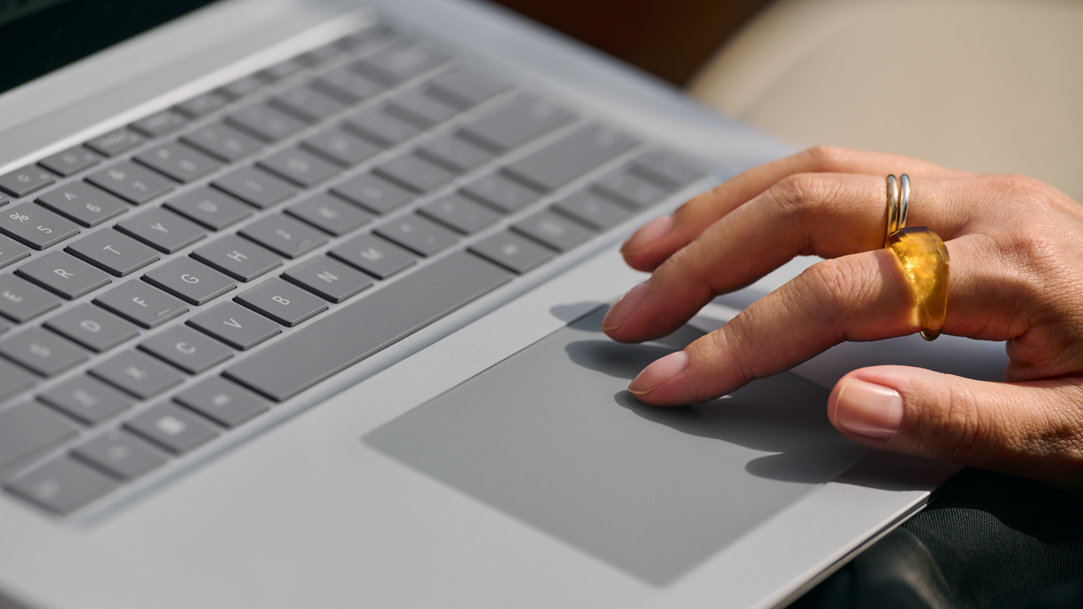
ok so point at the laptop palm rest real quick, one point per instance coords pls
(551, 437)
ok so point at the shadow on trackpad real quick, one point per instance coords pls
(551, 437)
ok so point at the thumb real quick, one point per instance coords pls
(1032, 429)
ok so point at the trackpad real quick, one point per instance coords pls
(551, 437)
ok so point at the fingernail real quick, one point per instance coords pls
(658, 373)
(624, 307)
(867, 409)
(646, 236)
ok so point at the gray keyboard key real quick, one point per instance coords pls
(237, 257)
(61, 486)
(454, 153)
(501, 193)
(211, 208)
(22, 301)
(162, 229)
(398, 61)
(571, 156)
(36, 226)
(254, 187)
(328, 278)
(374, 194)
(43, 352)
(178, 161)
(516, 122)
(329, 214)
(113, 252)
(141, 303)
(222, 401)
(92, 327)
(242, 87)
(71, 161)
(120, 454)
(86, 399)
(83, 203)
(173, 428)
(189, 280)
(380, 127)
(281, 70)
(264, 122)
(629, 189)
(186, 349)
(115, 142)
(347, 85)
(284, 235)
(287, 304)
(64, 274)
(11, 251)
(459, 213)
(418, 234)
(297, 166)
(552, 230)
(202, 105)
(26, 180)
(131, 182)
(13, 381)
(592, 210)
(306, 103)
(375, 256)
(465, 87)
(222, 141)
(413, 173)
(366, 326)
(28, 429)
(420, 109)
(137, 374)
(159, 123)
(513, 252)
(340, 147)
(667, 170)
(235, 325)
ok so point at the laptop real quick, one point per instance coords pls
(300, 308)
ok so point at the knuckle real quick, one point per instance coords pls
(825, 158)
(829, 287)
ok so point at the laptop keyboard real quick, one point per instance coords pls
(167, 282)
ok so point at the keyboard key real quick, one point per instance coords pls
(347, 85)
(592, 210)
(159, 123)
(398, 61)
(285, 303)
(83, 203)
(373, 255)
(372, 193)
(26, 180)
(189, 280)
(513, 252)
(418, 234)
(120, 454)
(137, 374)
(187, 349)
(13, 381)
(162, 229)
(570, 156)
(281, 70)
(667, 170)
(516, 122)
(222, 141)
(629, 189)
(113, 252)
(465, 87)
(92, 327)
(365, 326)
(242, 87)
(36, 226)
(340, 147)
(28, 429)
(202, 105)
(173, 428)
(211, 208)
(459, 213)
(63, 274)
(328, 278)
(71, 161)
(235, 325)
(264, 122)
(380, 128)
(549, 229)
(21, 301)
(501, 193)
(115, 142)
(420, 109)
(178, 161)
(11, 251)
(329, 214)
(61, 486)
(454, 153)
(413, 173)
(222, 401)
(86, 399)
(299, 167)
(254, 187)
(42, 352)
(131, 182)
(141, 303)
(284, 235)
(237, 257)
(306, 103)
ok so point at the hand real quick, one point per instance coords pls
(1016, 248)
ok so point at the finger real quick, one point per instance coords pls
(656, 241)
(1033, 429)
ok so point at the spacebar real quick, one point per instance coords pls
(360, 329)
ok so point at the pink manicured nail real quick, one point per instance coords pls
(647, 235)
(624, 307)
(658, 373)
(867, 409)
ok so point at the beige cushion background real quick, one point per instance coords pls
(986, 85)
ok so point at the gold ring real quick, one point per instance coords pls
(923, 258)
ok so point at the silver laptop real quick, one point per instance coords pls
(299, 307)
